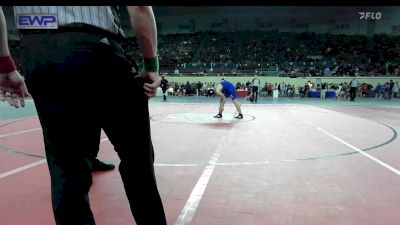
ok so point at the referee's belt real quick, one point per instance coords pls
(75, 27)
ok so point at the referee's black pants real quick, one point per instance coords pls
(353, 91)
(254, 90)
(80, 85)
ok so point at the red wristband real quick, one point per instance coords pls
(7, 64)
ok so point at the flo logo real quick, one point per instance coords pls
(370, 15)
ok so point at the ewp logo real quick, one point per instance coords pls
(37, 21)
(371, 15)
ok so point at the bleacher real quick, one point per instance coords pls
(272, 53)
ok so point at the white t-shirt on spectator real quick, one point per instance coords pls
(354, 83)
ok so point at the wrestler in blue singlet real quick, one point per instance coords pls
(228, 89)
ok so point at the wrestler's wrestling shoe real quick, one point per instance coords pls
(240, 116)
(219, 115)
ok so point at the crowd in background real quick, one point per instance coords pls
(386, 90)
(290, 54)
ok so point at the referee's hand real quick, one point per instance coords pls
(13, 89)
(152, 81)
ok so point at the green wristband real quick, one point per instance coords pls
(151, 64)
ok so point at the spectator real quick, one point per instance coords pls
(396, 90)
(378, 91)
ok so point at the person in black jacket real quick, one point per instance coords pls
(164, 87)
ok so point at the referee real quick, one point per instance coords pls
(81, 81)
(353, 89)
(254, 88)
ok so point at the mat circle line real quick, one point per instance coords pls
(217, 121)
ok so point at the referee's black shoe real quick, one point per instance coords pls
(98, 165)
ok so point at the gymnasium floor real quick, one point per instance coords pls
(288, 162)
